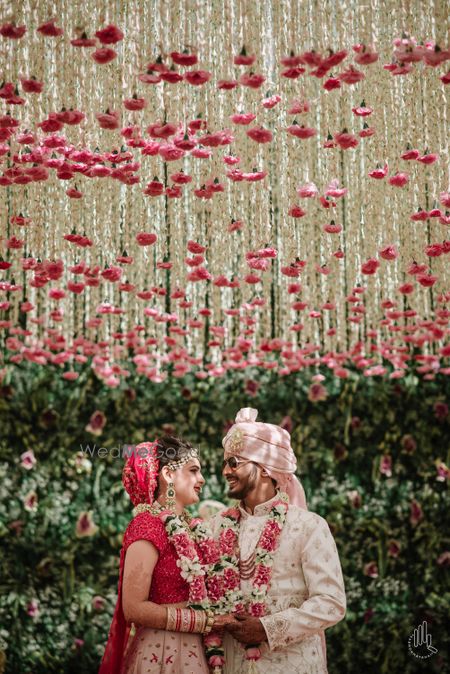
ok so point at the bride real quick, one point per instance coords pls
(162, 590)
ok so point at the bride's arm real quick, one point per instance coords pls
(140, 561)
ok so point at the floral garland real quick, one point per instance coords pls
(224, 586)
(184, 532)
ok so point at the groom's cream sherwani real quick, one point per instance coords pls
(306, 594)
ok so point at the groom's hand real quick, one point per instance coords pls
(247, 629)
(221, 622)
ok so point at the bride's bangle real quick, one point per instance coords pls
(209, 621)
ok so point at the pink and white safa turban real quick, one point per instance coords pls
(270, 447)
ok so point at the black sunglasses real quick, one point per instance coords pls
(234, 463)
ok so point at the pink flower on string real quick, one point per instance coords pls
(110, 34)
(259, 134)
(362, 110)
(370, 267)
(399, 179)
(49, 29)
(346, 140)
(389, 253)
(244, 59)
(197, 77)
(351, 75)
(379, 173)
(243, 118)
(252, 80)
(104, 55)
(365, 54)
(307, 191)
(271, 101)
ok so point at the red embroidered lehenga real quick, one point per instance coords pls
(152, 651)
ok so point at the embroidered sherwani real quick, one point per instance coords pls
(306, 594)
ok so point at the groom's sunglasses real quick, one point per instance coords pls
(234, 463)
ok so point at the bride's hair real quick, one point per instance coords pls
(170, 449)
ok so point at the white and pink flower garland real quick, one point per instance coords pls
(224, 584)
(184, 532)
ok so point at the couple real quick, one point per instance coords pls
(249, 591)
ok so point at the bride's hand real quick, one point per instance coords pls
(221, 621)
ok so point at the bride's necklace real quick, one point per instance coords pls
(156, 508)
(247, 566)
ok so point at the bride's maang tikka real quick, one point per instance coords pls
(191, 453)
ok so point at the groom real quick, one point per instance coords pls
(299, 584)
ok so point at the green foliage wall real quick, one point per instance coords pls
(388, 515)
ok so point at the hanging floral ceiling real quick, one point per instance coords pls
(210, 186)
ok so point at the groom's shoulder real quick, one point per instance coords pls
(307, 518)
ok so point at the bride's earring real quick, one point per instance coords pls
(170, 497)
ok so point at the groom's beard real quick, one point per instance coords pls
(242, 487)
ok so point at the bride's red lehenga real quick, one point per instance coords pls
(153, 651)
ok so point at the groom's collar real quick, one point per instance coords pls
(260, 510)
